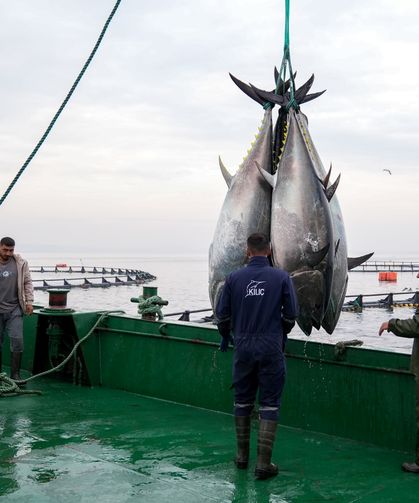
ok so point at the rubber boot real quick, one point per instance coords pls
(15, 361)
(264, 468)
(410, 467)
(243, 439)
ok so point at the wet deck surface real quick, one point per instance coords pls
(85, 445)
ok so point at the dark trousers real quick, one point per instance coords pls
(263, 371)
(12, 324)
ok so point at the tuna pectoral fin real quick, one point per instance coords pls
(330, 191)
(309, 287)
(314, 258)
(325, 182)
(271, 179)
(356, 261)
(227, 177)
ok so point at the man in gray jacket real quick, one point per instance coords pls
(409, 328)
(16, 298)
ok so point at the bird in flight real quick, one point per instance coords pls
(388, 171)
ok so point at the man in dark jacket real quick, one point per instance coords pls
(258, 304)
(409, 328)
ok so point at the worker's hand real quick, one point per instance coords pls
(384, 326)
(29, 309)
(225, 342)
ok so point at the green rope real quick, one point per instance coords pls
(151, 305)
(64, 103)
(287, 25)
(11, 387)
(286, 62)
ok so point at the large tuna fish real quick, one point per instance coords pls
(301, 226)
(246, 210)
(339, 248)
(341, 262)
(307, 230)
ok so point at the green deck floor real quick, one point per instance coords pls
(81, 445)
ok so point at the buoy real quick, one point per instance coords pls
(387, 276)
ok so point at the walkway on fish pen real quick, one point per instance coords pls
(387, 265)
(64, 268)
(376, 300)
(95, 282)
(358, 302)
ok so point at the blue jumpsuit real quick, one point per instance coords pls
(258, 303)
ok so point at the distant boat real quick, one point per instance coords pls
(61, 265)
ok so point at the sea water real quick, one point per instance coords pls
(183, 281)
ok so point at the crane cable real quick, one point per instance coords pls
(64, 103)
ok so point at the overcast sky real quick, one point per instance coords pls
(131, 165)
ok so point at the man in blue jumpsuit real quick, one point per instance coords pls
(258, 304)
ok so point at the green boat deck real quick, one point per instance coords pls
(81, 444)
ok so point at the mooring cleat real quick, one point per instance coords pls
(410, 467)
(267, 472)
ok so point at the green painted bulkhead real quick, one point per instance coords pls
(362, 394)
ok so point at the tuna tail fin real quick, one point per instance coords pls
(271, 179)
(301, 92)
(330, 191)
(283, 99)
(283, 86)
(269, 96)
(227, 177)
(356, 261)
(311, 96)
(247, 90)
(301, 95)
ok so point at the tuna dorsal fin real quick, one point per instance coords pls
(283, 86)
(330, 191)
(227, 177)
(356, 261)
(271, 179)
(337, 246)
(316, 257)
(247, 90)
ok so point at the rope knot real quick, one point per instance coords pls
(151, 307)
